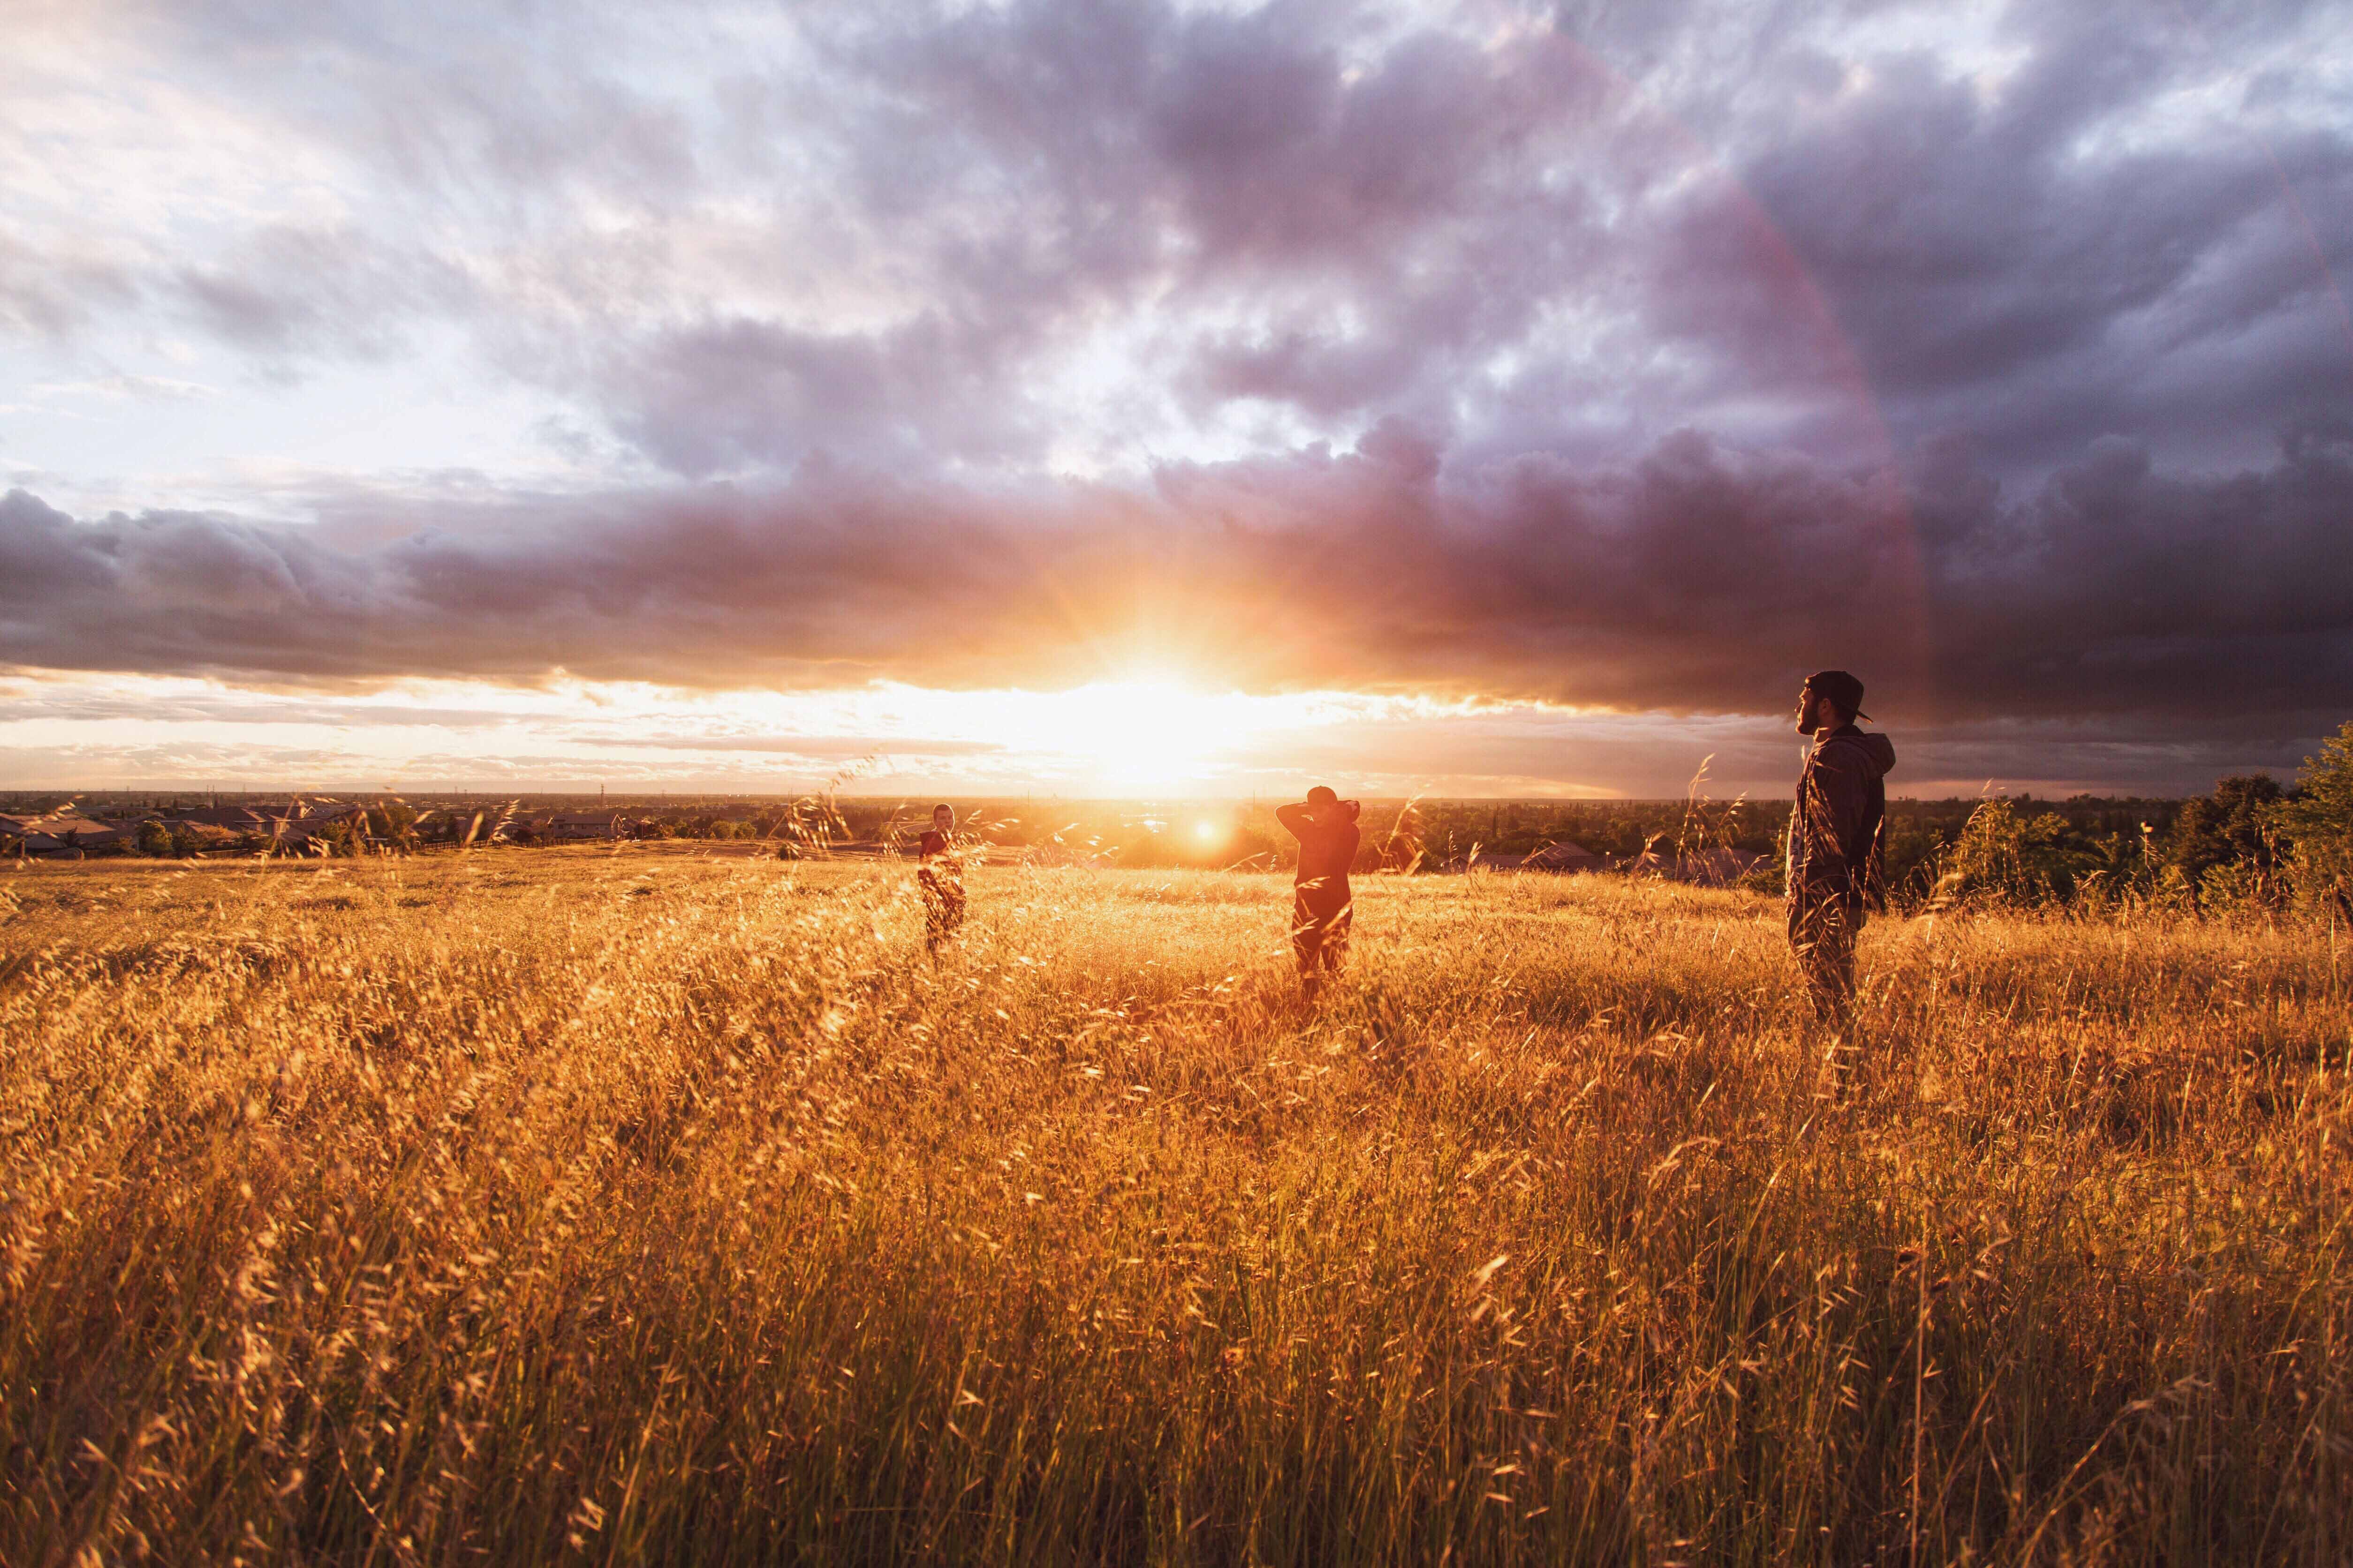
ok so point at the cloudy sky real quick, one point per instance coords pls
(1081, 396)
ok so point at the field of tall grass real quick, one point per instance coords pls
(653, 1207)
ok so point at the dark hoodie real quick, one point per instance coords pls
(1837, 832)
(1326, 851)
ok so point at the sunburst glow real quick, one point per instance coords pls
(1152, 734)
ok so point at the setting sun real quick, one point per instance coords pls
(1147, 735)
(1144, 734)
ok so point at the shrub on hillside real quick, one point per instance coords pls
(1914, 853)
(1769, 876)
(2004, 858)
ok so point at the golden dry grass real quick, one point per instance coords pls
(531, 1205)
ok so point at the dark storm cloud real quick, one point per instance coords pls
(1700, 578)
(2001, 270)
(1511, 752)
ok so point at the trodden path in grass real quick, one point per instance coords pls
(537, 1205)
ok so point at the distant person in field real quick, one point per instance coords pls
(1322, 909)
(1837, 839)
(941, 877)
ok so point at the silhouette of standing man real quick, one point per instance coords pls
(941, 877)
(1321, 908)
(1837, 839)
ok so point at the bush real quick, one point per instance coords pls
(2121, 869)
(2005, 859)
(1913, 855)
(2237, 884)
(1769, 876)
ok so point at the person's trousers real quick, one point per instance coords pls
(943, 905)
(1822, 929)
(1319, 932)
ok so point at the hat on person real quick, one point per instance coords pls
(1839, 688)
(1323, 794)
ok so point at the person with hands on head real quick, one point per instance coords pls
(1321, 908)
(1837, 839)
(941, 877)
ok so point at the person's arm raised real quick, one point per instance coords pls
(1294, 817)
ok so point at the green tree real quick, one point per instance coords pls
(2317, 820)
(2234, 827)
(152, 838)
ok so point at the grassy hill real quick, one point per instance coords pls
(654, 1207)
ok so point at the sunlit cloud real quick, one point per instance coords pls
(1149, 737)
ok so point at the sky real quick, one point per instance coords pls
(1084, 397)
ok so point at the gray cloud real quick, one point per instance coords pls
(49, 294)
(1346, 226)
(717, 396)
(288, 291)
(1703, 577)
(1999, 273)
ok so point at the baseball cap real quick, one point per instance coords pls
(1839, 687)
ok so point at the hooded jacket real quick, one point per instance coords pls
(1837, 832)
(1326, 851)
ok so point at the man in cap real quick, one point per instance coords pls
(1321, 906)
(1836, 838)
